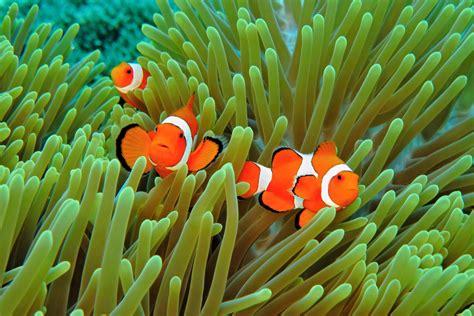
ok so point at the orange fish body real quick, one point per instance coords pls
(169, 146)
(307, 181)
(129, 77)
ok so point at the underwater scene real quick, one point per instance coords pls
(236, 157)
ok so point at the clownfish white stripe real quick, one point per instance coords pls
(306, 167)
(331, 173)
(137, 75)
(184, 127)
(264, 178)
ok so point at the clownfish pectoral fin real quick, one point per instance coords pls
(303, 217)
(132, 143)
(205, 153)
(326, 148)
(307, 187)
(277, 201)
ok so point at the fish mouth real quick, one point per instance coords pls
(163, 145)
(152, 162)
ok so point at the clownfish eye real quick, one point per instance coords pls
(181, 135)
(129, 71)
(339, 177)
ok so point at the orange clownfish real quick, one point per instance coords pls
(307, 181)
(169, 146)
(128, 77)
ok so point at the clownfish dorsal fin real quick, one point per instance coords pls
(326, 148)
(282, 156)
(189, 104)
(285, 164)
(186, 113)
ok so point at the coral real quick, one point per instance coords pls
(112, 28)
(381, 78)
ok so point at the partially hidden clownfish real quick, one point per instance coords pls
(129, 77)
(302, 181)
(169, 146)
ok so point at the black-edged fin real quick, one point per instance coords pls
(205, 154)
(276, 201)
(132, 143)
(222, 139)
(285, 164)
(297, 219)
(283, 155)
(303, 217)
(306, 187)
(265, 206)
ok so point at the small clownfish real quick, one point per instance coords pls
(129, 77)
(169, 146)
(307, 181)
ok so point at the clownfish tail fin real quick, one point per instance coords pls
(222, 139)
(132, 143)
(257, 176)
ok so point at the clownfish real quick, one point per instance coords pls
(169, 146)
(307, 181)
(129, 77)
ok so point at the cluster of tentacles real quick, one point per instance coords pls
(79, 234)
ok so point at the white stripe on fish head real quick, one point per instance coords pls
(137, 78)
(331, 173)
(184, 127)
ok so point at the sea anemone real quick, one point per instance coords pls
(383, 79)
